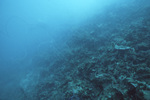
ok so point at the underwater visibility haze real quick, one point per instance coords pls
(74, 50)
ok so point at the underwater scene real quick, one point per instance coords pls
(75, 50)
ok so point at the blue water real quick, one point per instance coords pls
(34, 35)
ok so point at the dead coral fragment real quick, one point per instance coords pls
(123, 48)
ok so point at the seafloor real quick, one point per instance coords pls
(106, 58)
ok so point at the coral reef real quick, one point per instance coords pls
(108, 58)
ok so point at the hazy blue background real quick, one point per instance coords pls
(28, 28)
